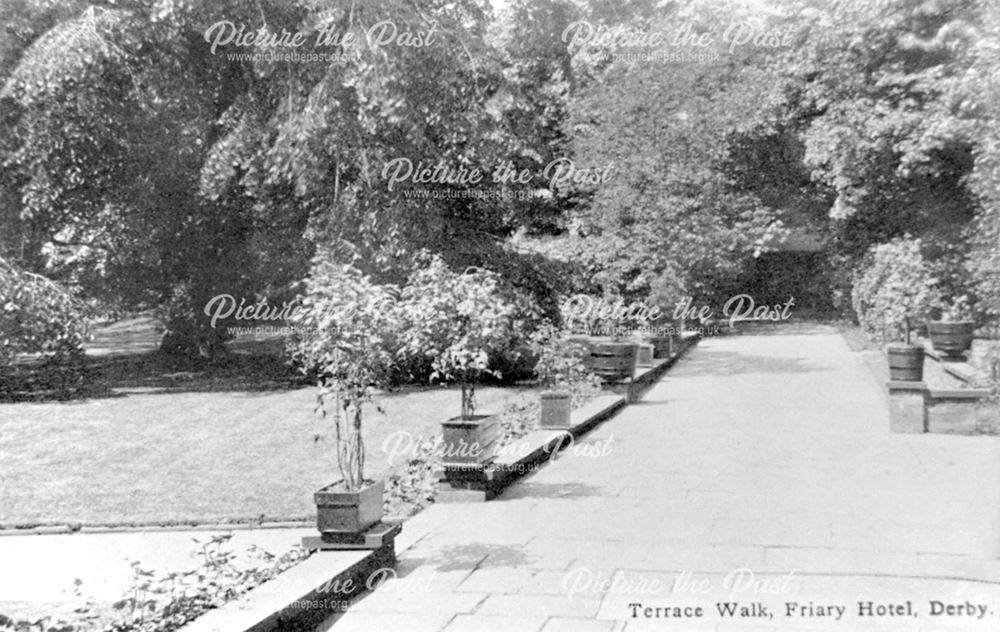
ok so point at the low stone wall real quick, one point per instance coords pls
(303, 596)
(481, 482)
(958, 412)
(478, 482)
(647, 375)
(915, 408)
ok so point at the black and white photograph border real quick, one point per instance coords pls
(520, 315)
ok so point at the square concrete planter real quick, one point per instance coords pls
(469, 441)
(644, 354)
(556, 407)
(663, 346)
(342, 512)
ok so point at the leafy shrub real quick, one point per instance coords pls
(895, 282)
(461, 321)
(561, 364)
(667, 290)
(983, 264)
(518, 419)
(37, 316)
(413, 485)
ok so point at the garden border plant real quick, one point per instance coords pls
(165, 603)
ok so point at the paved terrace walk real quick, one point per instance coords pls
(762, 452)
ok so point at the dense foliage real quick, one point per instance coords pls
(350, 327)
(37, 316)
(896, 283)
(153, 167)
(357, 336)
(149, 162)
(462, 322)
(560, 363)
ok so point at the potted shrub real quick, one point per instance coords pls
(458, 320)
(952, 333)
(562, 363)
(895, 282)
(349, 340)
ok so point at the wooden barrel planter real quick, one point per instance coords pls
(614, 361)
(906, 363)
(951, 338)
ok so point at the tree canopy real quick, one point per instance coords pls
(159, 153)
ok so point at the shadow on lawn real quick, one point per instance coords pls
(125, 355)
(150, 372)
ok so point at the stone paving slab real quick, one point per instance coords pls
(764, 454)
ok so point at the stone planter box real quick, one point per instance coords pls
(556, 409)
(342, 512)
(469, 441)
(663, 346)
(644, 355)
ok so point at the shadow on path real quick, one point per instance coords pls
(528, 489)
(712, 362)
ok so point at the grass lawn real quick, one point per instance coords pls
(180, 447)
(189, 456)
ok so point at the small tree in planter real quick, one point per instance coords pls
(895, 284)
(458, 320)
(562, 370)
(348, 335)
(896, 287)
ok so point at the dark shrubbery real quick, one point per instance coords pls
(984, 264)
(37, 316)
(451, 325)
